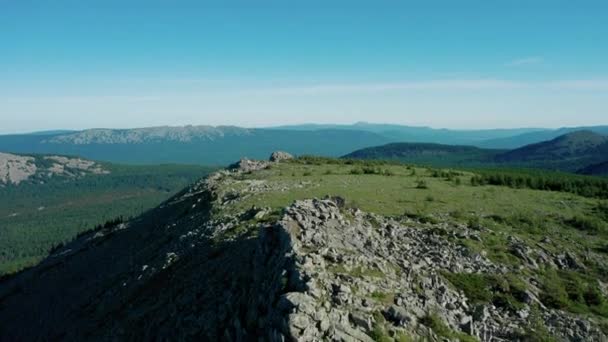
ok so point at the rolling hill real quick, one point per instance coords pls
(528, 138)
(568, 152)
(430, 154)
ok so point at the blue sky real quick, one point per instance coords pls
(455, 64)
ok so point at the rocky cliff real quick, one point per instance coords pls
(199, 268)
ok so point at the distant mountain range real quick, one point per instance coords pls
(583, 151)
(486, 138)
(190, 144)
(222, 145)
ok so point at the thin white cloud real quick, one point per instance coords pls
(525, 61)
(435, 85)
(593, 84)
(327, 88)
(428, 86)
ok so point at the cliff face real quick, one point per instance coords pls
(198, 269)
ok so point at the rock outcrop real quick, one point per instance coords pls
(16, 169)
(279, 156)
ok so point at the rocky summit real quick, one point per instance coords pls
(255, 252)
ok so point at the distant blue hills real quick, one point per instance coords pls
(221, 145)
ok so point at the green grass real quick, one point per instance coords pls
(383, 297)
(442, 330)
(506, 291)
(36, 217)
(573, 222)
(574, 292)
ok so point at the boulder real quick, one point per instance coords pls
(279, 156)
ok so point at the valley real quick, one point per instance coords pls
(55, 203)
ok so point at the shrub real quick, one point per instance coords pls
(601, 211)
(593, 296)
(475, 286)
(474, 223)
(421, 184)
(554, 293)
(434, 322)
(506, 291)
(586, 223)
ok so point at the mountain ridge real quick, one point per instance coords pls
(566, 152)
(207, 265)
(569, 152)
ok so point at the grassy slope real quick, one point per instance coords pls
(530, 214)
(574, 223)
(34, 217)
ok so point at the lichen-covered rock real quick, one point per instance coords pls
(279, 156)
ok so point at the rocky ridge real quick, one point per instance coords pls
(149, 134)
(15, 169)
(317, 270)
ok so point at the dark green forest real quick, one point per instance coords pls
(587, 186)
(36, 217)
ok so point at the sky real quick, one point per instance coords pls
(449, 64)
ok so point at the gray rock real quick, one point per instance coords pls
(361, 320)
(398, 315)
(279, 156)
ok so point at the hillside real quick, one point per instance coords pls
(316, 249)
(424, 153)
(47, 200)
(600, 169)
(16, 169)
(204, 145)
(527, 138)
(568, 152)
